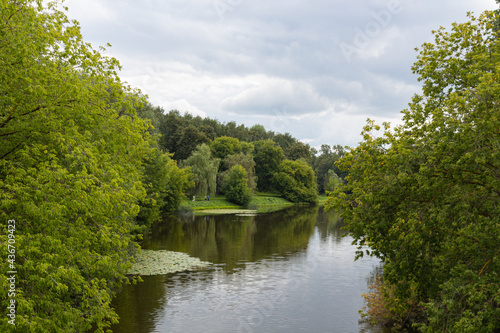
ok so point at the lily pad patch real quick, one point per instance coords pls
(150, 262)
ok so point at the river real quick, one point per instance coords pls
(286, 271)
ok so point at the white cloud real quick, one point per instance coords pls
(183, 106)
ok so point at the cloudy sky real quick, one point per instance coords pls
(316, 69)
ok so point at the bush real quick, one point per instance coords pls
(235, 186)
(296, 182)
(383, 307)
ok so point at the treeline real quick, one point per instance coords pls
(212, 148)
(425, 197)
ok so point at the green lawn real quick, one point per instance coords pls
(322, 199)
(215, 202)
(259, 200)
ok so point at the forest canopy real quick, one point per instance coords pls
(72, 177)
(425, 197)
(259, 151)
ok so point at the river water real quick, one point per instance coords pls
(286, 271)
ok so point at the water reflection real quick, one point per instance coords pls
(233, 240)
(288, 271)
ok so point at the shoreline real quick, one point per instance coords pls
(219, 202)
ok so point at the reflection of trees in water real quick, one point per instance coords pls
(330, 225)
(130, 301)
(232, 239)
(226, 239)
(138, 304)
(285, 231)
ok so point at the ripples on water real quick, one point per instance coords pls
(282, 272)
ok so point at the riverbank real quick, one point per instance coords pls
(260, 202)
(220, 202)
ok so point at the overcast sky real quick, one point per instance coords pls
(316, 69)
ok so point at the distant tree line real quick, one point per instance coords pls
(211, 149)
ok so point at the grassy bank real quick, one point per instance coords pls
(220, 202)
(215, 202)
(268, 199)
(261, 201)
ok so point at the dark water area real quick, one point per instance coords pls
(287, 271)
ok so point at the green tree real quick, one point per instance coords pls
(171, 128)
(296, 181)
(224, 146)
(284, 140)
(257, 132)
(190, 138)
(70, 159)
(246, 148)
(204, 168)
(247, 162)
(326, 162)
(299, 150)
(239, 132)
(267, 160)
(165, 185)
(153, 113)
(425, 197)
(235, 186)
(332, 180)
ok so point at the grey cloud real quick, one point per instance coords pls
(276, 61)
(274, 96)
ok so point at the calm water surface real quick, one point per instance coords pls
(287, 271)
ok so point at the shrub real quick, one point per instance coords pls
(235, 186)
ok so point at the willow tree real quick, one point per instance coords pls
(70, 154)
(204, 169)
(425, 197)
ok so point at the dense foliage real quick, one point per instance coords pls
(235, 186)
(180, 135)
(204, 168)
(165, 185)
(296, 181)
(71, 172)
(244, 160)
(260, 152)
(267, 158)
(325, 162)
(332, 180)
(86, 163)
(425, 197)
